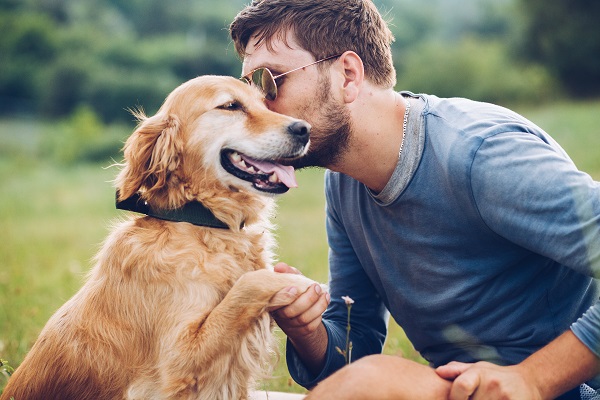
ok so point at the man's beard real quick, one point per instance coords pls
(330, 133)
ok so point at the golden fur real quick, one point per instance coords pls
(174, 310)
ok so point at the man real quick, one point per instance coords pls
(463, 219)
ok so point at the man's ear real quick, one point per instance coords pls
(354, 75)
(152, 154)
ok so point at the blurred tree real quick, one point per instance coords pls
(565, 36)
(28, 41)
(63, 85)
(480, 69)
(109, 54)
(56, 55)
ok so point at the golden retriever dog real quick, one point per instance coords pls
(171, 309)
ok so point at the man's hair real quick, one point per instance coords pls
(323, 28)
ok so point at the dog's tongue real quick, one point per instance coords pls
(285, 173)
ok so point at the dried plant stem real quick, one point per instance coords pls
(348, 352)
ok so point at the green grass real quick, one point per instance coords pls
(53, 217)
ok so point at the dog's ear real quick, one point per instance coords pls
(152, 153)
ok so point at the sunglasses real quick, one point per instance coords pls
(264, 79)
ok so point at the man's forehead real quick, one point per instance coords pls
(279, 53)
(273, 40)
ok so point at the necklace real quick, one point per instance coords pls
(407, 110)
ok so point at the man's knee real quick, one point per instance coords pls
(364, 374)
(355, 381)
(394, 377)
(368, 368)
(383, 377)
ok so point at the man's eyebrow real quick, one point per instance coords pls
(275, 67)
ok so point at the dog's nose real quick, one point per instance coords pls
(299, 128)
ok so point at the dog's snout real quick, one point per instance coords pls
(299, 128)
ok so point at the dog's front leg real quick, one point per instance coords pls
(236, 313)
(206, 354)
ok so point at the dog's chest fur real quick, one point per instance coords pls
(188, 271)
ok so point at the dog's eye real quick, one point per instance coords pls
(231, 106)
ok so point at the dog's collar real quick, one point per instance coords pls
(194, 212)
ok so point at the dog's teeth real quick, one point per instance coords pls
(242, 163)
(273, 178)
(251, 169)
(235, 157)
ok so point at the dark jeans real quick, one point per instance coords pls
(571, 395)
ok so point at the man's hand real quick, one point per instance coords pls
(303, 315)
(488, 381)
(301, 320)
(556, 368)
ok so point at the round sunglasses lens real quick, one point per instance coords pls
(268, 84)
(256, 77)
(263, 79)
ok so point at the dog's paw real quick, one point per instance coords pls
(301, 284)
(268, 287)
(297, 280)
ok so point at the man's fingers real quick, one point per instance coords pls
(486, 381)
(452, 370)
(304, 315)
(283, 298)
(301, 304)
(466, 379)
(314, 312)
(464, 386)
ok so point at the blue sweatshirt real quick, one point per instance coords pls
(484, 245)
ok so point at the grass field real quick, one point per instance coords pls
(53, 217)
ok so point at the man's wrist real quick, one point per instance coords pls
(563, 364)
(312, 348)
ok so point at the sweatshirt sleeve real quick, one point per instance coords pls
(368, 315)
(587, 329)
(553, 209)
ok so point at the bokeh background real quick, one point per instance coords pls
(70, 70)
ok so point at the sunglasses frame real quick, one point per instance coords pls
(270, 92)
